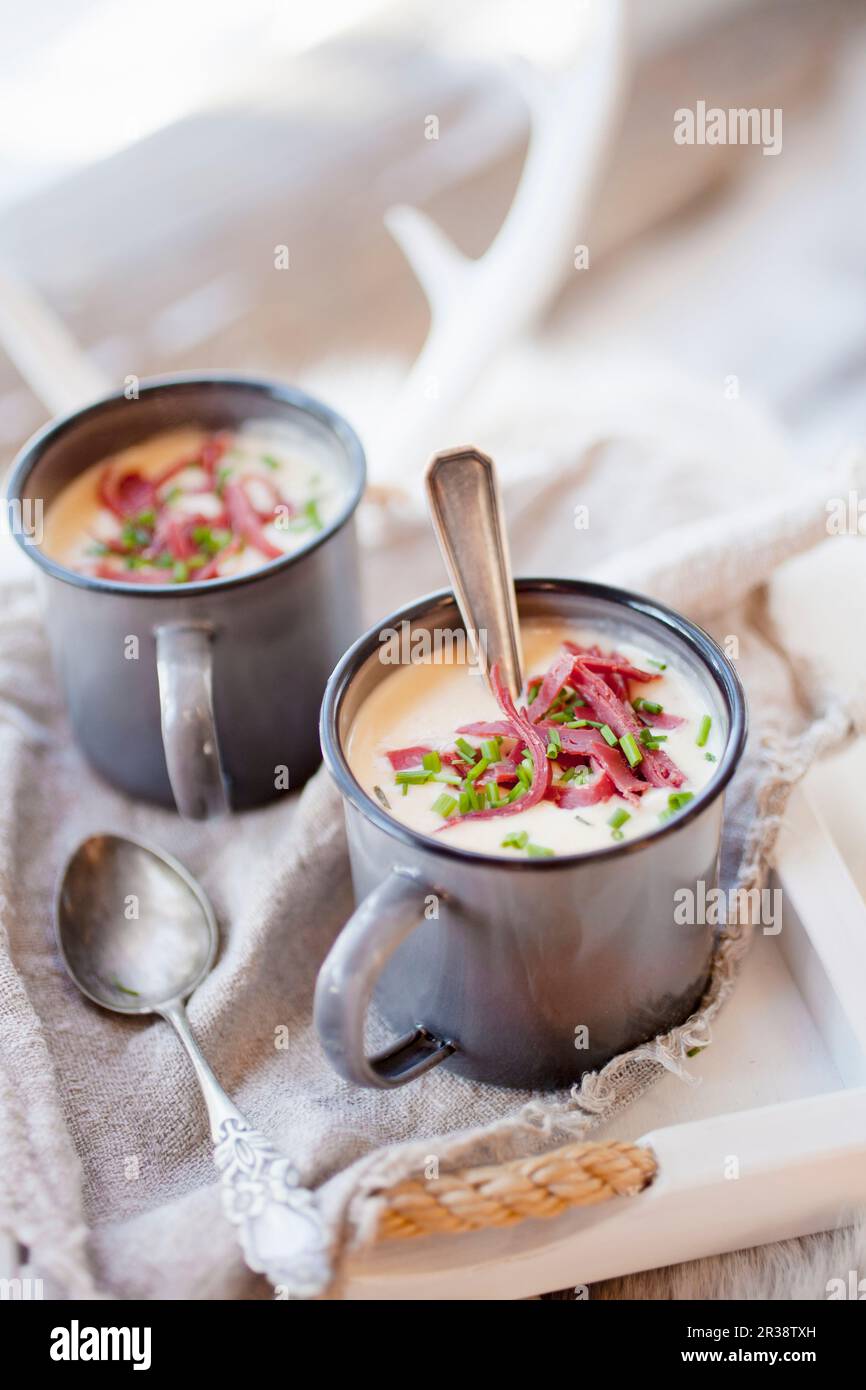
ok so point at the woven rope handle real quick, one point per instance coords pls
(577, 1175)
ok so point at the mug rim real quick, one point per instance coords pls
(29, 455)
(700, 642)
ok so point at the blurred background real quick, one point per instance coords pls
(155, 160)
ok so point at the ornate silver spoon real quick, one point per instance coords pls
(466, 510)
(138, 935)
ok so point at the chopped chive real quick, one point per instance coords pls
(585, 724)
(629, 746)
(704, 731)
(311, 512)
(469, 753)
(648, 706)
(524, 772)
(693, 1051)
(444, 805)
(608, 735)
(539, 852)
(559, 717)
(465, 803)
(124, 990)
(432, 761)
(477, 769)
(173, 494)
(493, 793)
(179, 572)
(617, 835)
(568, 775)
(447, 774)
(619, 818)
(532, 692)
(405, 791)
(412, 777)
(490, 749)
(380, 795)
(652, 739)
(677, 800)
(581, 775)
(710, 757)
(660, 665)
(516, 839)
(554, 743)
(516, 792)
(270, 462)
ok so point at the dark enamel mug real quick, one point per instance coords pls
(213, 706)
(520, 972)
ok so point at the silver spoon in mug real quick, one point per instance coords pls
(466, 510)
(138, 935)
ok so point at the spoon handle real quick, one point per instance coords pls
(279, 1226)
(466, 510)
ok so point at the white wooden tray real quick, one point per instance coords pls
(781, 1100)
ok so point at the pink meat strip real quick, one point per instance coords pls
(657, 767)
(610, 760)
(661, 721)
(537, 746)
(615, 661)
(489, 728)
(551, 685)
(570, 797)
(403, 758)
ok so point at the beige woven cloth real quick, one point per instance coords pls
(109, 1182)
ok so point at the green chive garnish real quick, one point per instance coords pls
(532, 692)
(516, 839)
(179, 572)
(710, 757)
(617, 835)
(465, 803)
(677, 800)
(517, 792)
(270, 462)
(629, 746)
(444, 805)
(412, 777)
(659, 665)
(608, 735)
(704, 731)
(477, 769)
(539, 852)
(469, 753)
(648, 706)
(447, 774)
(490, 749)
(619, 818)
(554, 743)
(432, 761)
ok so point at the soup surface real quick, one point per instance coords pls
(604, 747)
(187, 505)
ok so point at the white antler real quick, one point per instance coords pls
(477, 306)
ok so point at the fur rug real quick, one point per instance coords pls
(830, 1265)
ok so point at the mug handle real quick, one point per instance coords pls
(184, 670)
(348, 977)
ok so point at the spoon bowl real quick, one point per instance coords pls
(137, 935)
(136, 932)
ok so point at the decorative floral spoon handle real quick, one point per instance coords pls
(279, 1225)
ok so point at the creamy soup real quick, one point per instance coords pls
(187, 505)
(605, 746)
